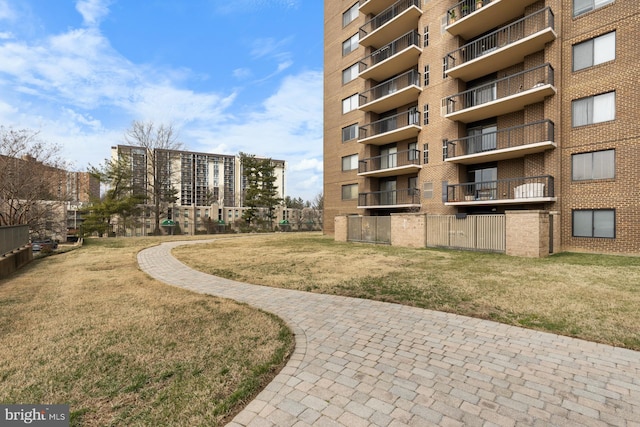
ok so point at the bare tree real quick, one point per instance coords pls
(157, 142)
(33, 182)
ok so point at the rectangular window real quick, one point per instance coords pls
(593, 109)
(350, 162)
(350, 74)
(425, 115)
(594, 223)
(427, 190)
(413, 151)
(594, 51)
(350, 192)
(350, 15)
(444, 68)
(350, 103)
(426, 75)
(595, 165)
(350, 44)
(425, 154)
(445, 149)
(350, 132)
(584, 6)
(425, 37)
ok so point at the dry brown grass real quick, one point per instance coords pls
(593, 297)
(89, 329)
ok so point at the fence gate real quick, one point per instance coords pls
(369, 229)
(471, 232)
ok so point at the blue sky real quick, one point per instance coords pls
(229, 75)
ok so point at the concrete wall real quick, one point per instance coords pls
(15, 260)
(528, 233)
(409, 230)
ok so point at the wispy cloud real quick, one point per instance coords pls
(247, 6)
(93, 11)
(6, 13)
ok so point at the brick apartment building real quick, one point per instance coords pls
(483, 107)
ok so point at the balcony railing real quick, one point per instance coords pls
(390, 124)
(410, 78)
(390, 161)
(502, 37)
(387, 15)
(412, 38)
(514, 190)
(503, 139)
(502, 88)
(403, 197)
(464, 8)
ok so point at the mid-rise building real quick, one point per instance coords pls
(486, 106)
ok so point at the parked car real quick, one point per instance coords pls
(38, 245)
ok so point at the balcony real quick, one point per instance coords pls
(391, 23)
(469, 18)
(395, 199)
(502, 48)
(502, 96)
(373, 7)
(399, 91)
(400, 163)
(400, 54)
(512, 191)
(504, 144)
(391, 129)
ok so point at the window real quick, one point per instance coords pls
(427, 190)
(350, 15)
(425, 115)
(584, 6)
(350, 74)
(594, 223)
(350, 132)
(594, 51)
(413, 151)
(350, 103)
(425, 37)
(425, 154)
(595, 165)
(349, 191)
(351, 44)
(594, 109)
(350, 162)
(445, 149)
(426, 75)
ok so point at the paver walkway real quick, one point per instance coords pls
(363, 363)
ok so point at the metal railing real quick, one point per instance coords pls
(389, 124)
(502, 37)
(515, 136)
(464, 8)
(389, 161)
(412, 38)
(410, 78)
(13, 237)
(501, 88)
(406, 196)
(523, 188)
(387, 15)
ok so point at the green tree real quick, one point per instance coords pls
(260, 192)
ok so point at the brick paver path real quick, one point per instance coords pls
(364, 363)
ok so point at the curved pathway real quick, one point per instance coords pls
(362, 363)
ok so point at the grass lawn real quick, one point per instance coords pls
(89, 329)
(593, 297)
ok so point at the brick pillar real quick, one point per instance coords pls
(409, 230)
(528, 233)
(341, 225)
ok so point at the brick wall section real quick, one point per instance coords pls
(340, 226)
(409, 230)
(528, 233)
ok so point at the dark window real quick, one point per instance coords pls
(594, 223)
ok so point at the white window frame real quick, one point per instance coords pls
(350, 14)
(597, 50)
(350, 162)
(352, 132)
(593, 109)
(581, 7)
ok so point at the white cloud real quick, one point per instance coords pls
(6, 35)
(6, 13)
(93, 11)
